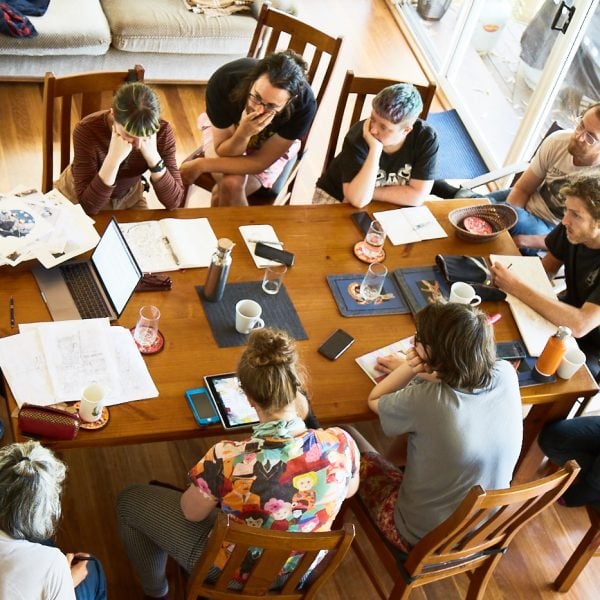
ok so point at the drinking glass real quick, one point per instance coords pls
(146, 329)
(372, 284)
(374, 239)
(273, 278)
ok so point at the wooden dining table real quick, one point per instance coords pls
(322, 239)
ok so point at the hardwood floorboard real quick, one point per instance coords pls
(373, 46)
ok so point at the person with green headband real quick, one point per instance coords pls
(114, 148)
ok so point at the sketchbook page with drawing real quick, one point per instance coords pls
(52, 362)
(534, 329)
(368, 361)
(412, 224)
(170, 244)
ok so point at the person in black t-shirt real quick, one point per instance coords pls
(390, 156)
(256, 113)
(575, 242)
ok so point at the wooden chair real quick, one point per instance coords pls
(587, 549)
(277, 546)
(276, 31)
(473, 539)
(90, 86)
(355, 91)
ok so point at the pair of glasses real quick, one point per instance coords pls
(258, 101)
(589, 139)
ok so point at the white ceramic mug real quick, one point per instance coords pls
(247, 316)
(92, 401)
(570, 363)
(463, 293)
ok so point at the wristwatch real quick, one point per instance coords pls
(158, 167)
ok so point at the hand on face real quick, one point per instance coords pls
(254, 121)
(372, 141)
(416, 358)
(119, 148)
(149, 151)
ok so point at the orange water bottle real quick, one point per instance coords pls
(553, 352)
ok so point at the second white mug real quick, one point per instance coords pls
(463, 293)
(92, 401)
(247, 316)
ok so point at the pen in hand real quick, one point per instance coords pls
(11, 308)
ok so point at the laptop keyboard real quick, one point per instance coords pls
(84, 290)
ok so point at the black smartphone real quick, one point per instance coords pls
(201, 406)
(276, 254)
(362, 220)
(336, 344)
(510, 350)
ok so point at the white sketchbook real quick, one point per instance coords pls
(170, 244)
(260, 233)
(534, 329)
(411, 224)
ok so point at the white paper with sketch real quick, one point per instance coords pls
(368, 361)
(170, 244)
(52, 362)
(260, 233)
(410, 224)
(534, 329)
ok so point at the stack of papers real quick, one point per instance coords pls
(170, 244)
(52, 362)
(44, 226)
(408, 225)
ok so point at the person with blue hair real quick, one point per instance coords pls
(391, 156)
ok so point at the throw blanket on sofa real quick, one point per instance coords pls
(31, 8)
(13, 23)
(213, 8)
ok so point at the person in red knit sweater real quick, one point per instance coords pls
(114, 148)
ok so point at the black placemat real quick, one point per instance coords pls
(277, 311)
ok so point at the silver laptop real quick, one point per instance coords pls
(99, 287)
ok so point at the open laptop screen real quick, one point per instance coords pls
(115, 266)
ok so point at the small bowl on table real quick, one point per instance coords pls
(500, 217)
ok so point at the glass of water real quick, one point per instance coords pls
(273, 278)
(372, 284)
(146, 329)
(374, 239)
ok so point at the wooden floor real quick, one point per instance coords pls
(373, 46)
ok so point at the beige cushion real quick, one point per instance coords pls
(166, 26)
(68, 27)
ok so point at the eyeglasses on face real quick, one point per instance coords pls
(272, 108)
(588, 137)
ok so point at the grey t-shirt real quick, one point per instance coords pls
(456, 440)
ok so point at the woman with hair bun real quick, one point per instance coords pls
(285, 476)
(31, 479)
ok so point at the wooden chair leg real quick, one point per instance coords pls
(587, 548)
(480, 578)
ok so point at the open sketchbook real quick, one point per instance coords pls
(170, 244)
(412, 224)
(368, 361)
(534, 329)
(52, 362)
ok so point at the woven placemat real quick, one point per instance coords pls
(277, 311)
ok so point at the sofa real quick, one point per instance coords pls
(173, 44)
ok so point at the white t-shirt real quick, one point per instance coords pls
(30, 571)
(552, 163)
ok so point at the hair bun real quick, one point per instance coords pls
(270, 347)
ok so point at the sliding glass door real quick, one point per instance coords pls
(510, 67)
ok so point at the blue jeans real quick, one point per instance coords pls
(93, 587)
(576, 439)
(527, 223)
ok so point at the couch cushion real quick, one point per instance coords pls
(166, 26)
(66, 28)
